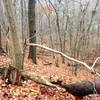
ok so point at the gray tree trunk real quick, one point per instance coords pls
(32, 31)
(16, 50)
(0, 38)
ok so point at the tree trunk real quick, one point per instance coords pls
(32, 31)
(81, 89)
(0, 38)
(16, 51)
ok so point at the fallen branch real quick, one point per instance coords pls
(69, 58)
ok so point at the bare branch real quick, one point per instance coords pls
(95, 62)
(62, 54)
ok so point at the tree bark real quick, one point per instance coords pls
(1, 49)
(32, 31)
(81, 89)
(0, 38)
(16, 50)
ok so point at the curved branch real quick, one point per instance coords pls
(64, 55)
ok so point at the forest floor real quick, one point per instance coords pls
(48, 66)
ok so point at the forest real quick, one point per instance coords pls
(50, 49)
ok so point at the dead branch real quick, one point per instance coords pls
(69, 58)
(95, 62)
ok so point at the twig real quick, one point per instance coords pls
(95, 63)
